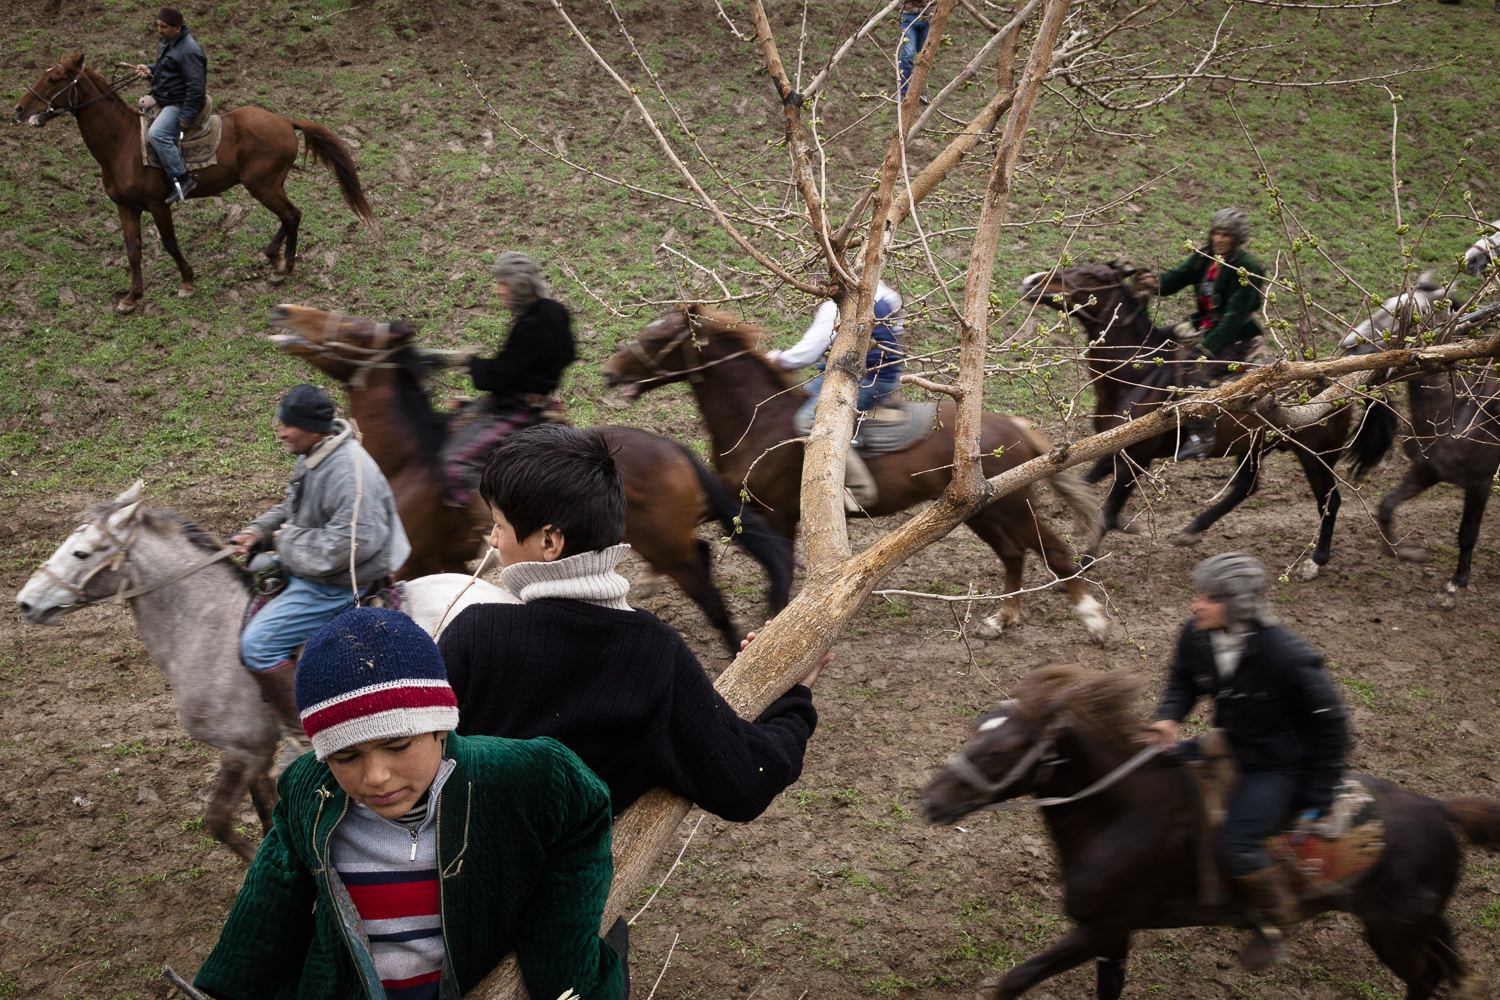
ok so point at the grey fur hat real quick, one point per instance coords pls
(1233, 221)
(1239, 580)
(520, 272)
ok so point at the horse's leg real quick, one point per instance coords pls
(1109, 969)
(1420, 477)
(1325, 488)
(1476, 497)
(1013, 559)
(234, 778)
(1081, 944)
(130, 225)
(271, 192)
(162, 215)
(689, 562)
(1245, 481)
(1420, 960)
(263, 796)
(1101, 468)
(1119, 492)
(1012, 528)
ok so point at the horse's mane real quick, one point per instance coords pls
(162, 521)
(429, 424)
(1101, 705)
(719, 325)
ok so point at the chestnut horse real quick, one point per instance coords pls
(668, 493)
(1126, 850)
(1132, 368)
(749, 412)
(258, 150)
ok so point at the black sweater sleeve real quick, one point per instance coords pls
(538, 348)
(1181, 692)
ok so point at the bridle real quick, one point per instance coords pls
(120, 560)
(51, 111)
(1040, 759)
(1096, 319)
(360, 357)
(660, 374)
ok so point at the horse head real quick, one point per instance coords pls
(1484, 252)
(676, 346)
(1063, 718)
(1101, 295)
(56, 91)
(335, 344)
(1423, 308)
(88, 565)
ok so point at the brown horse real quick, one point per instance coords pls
(1126, 851)
(258, 149)
(668, 492)
(749, 412)
(1132, 368)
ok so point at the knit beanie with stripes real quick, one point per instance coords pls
(372, 674)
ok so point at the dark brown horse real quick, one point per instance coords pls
(668, 492)
(1132, 369)
(1126, 852)
(749, 412)
(257, 150)
(1454, 438)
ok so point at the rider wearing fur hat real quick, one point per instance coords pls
(1284, 722)
(1228, 283)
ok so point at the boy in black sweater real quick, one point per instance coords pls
(575, 662)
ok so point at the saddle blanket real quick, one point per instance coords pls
(887, 428)
(1326, 866)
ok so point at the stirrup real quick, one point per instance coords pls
(180, 188)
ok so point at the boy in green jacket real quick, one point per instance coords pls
(405, 861)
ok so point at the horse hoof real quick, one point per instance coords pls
(276, 277)
(125, 306)
(988, 990)
(1307, 570)
(1410, 553)
(1183, 539)
(1095, 621)
(185, 290)
(1446, 599)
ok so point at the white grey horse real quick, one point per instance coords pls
(1483, 251)
(1394, 317)
(188, 600)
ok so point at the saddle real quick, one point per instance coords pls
(884, 429)
(1329, 861)
(200, 137)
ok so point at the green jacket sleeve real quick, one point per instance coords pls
(560, 947)
(264, 942)
(1181, 276)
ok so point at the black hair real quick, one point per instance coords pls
(558, 475)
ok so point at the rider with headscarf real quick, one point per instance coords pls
(1283, 720)
(1228, 284)
(520, 380)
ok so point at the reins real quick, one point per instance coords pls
(51, 111)
(662, 376)
(964, 768)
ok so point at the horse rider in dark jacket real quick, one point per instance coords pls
(1228, 283)
(1284, 722)
(179, 82)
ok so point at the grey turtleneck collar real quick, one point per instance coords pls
(589, 577)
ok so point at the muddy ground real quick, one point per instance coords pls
(841, 889)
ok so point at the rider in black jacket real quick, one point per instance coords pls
(1284, 722)
(179, 82)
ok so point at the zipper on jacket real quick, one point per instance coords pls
(413, 832)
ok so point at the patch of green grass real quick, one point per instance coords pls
(1364, 691)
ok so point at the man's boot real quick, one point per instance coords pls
(181, 185)
(1273, 908)
(278, 689)
(859, 486)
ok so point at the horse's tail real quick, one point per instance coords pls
(1478, 818)
(1373, 438)
(771, 550)
(325, 147)
(1077, 494)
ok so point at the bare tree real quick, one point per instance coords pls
(1085, 57)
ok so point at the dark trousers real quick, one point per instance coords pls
(1261, 805)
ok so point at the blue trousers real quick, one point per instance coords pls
(1261, 805)
(875, 388)
(163, 138)
(913, 37)
(290, 620)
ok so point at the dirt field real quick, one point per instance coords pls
(841, 889)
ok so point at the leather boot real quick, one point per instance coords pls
(278, 689)
(859, 485)
(1273, 908)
